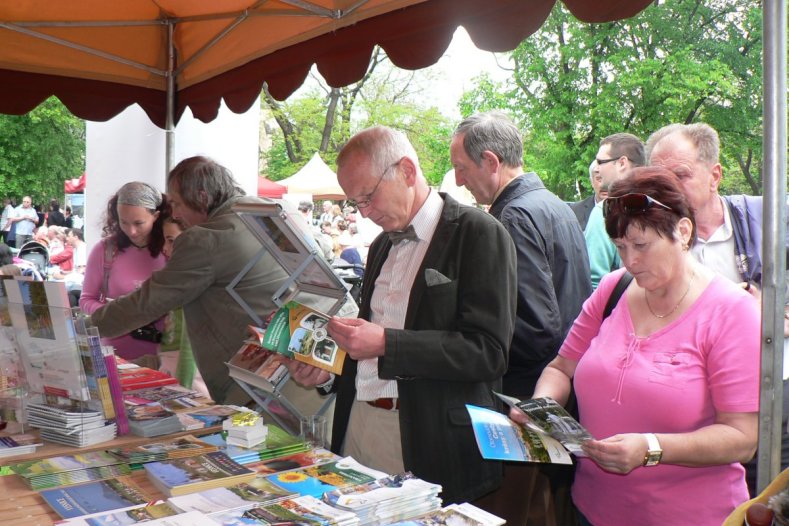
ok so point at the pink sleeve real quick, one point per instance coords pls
(733, 358)
(587, 324)
(94, 276)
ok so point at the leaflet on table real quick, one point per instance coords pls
(546, 415)
(499, 438)
(94, 497)
(299, 332)
(317, 480)
(130, 515)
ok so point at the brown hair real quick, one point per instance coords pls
(660, 184)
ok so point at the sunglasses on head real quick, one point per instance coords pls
(631, 204)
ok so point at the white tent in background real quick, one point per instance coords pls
(314, 178)
(460, 193)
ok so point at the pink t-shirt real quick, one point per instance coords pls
(672, 381)
(130, 269)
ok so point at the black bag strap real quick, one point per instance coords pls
(616, 294)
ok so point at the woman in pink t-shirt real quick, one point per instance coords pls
(668, 384)
(129, 253)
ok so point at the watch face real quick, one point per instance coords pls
(653, 457)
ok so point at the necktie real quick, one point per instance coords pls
(402, 235)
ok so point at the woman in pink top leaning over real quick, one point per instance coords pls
(668, 384)
(129, 253)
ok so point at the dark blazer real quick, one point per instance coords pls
(452, 352)
(583, 209)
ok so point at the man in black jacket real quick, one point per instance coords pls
(553, 273)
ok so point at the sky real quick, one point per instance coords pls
(455, 71)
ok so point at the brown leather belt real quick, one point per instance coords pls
(390, 404)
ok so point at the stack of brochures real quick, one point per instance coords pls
(70, 469)
(152, 420)
(387, 499)
(294, 461)
(186, 475)
(185, 446)
(278, 443)
(70, 424)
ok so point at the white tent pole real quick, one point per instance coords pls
(169, 126)
(774, 147)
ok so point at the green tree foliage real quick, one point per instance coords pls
(678, 61)
(39, 151)
(322, 119)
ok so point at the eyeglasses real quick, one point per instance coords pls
(631, 204)
(601, 162)
(365, 200)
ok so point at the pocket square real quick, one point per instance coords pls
(434, 277)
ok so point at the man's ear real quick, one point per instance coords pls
(409, 170)
(491, 161)
(717, 174)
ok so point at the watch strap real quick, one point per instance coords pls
(654, 451)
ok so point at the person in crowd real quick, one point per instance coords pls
(336, 216)
(729, 227)
(5, 224)
(63, 258)
(349, 254)
(327, 214)
(668, 384)
(432, 334)
(553, 274)
(324, 241)
(55, 237)
(618, 154)
(26, 220)
(583, 208)
(128, 253)
(42, 216)
(55, 217)
(209, 255)
(69, 218)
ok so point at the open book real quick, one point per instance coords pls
(299, 332)
(550, 434)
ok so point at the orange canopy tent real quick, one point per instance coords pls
(99, 57)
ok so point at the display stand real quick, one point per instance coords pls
(311, 281)
(57, 366)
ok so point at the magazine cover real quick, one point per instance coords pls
(499, 438)
(244, 495)
(299, 332)
(94, 497)
(317, 480)
(185, 475)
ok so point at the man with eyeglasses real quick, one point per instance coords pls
(434, 327)
(617, 155)
(553, 276)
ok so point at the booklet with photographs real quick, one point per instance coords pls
(258, 366)
(299, 332)
(550, 435)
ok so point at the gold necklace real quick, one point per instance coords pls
(661, 316)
